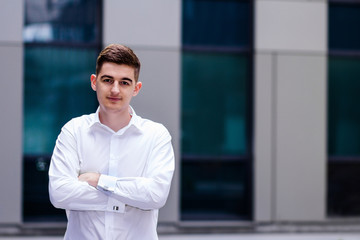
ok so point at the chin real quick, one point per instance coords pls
(113, 109)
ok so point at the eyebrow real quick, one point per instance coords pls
(108, 76)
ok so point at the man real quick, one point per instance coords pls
(111, 170)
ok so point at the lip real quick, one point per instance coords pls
(114, 99)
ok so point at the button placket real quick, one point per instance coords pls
(113, 157)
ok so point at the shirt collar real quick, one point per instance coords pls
(134, 121)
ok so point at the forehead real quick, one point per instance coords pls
(117, 70)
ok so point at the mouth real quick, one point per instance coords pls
(114, 99)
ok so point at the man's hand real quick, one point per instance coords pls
(91, 178)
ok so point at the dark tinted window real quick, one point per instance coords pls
(216, 110)
(216, 23)
(62, 40)
(71, 21)
(344, 31)
(343, 112)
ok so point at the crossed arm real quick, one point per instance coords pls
(71, 191)
(91, 178)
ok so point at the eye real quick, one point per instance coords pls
(125, 83)
(107, 80)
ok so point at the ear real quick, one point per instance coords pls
(137, 88)
(93, 81)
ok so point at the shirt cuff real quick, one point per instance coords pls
(115, 205)
(107, 183)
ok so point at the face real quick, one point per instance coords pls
(115, 86)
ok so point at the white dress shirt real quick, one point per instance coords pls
(136, 166)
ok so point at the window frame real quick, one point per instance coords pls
(248, 158)
(42, 161)
(339, 160)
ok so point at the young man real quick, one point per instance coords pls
(111, 170)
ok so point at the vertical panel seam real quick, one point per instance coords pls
(274, 136)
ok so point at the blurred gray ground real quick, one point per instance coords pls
(245, 236)
(329, 230)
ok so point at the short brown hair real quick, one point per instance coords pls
(118, 54)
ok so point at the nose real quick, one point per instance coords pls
(115, 89)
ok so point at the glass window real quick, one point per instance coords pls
(215, 188)
(216, 110)
(214, 97)
(216, 23)
(344, 33)
(62, 41)
(57, 87)
(343, 193)
(343, 113)
(71, 21)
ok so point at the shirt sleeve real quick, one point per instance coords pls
(152, 189)
(65, 190)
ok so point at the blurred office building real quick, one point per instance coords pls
(259, 96)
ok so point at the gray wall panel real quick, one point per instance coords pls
(11, 68)
(301, 137)
(291, 25)
(11, 21)
(291, 45)
(264, 144)
(159, 100)
(153, 23)
(11, 59)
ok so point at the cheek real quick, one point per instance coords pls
(99, 93)
(98, 97)
(100, 90)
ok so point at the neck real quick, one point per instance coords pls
(115, 121)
